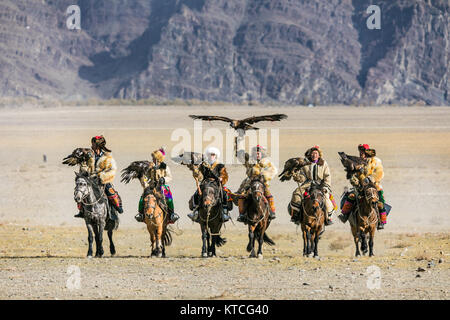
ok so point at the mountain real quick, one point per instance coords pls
(271, 51)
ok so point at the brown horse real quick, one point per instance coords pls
(364, 218)
(257, 217)
(313, 219)
(157, 224)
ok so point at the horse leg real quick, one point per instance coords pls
(100, 251)
(251, 241)
(316, 243)
(205, 240)
(209, 241)
(90, 239)
(159, 240)
(363, 243)
(260, 242)
(356, 239)
(112, 248)
(372, 235)
(308, 241)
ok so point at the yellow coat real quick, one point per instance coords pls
(374, 171)
(106, 168)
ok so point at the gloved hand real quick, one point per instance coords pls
(162, 181)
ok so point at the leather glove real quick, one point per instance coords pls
(162, 181)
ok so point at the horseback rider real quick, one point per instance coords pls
(160, 174)
(201, 172)
(371, 172)
(260, 164)
(319, 172)
(103, 166)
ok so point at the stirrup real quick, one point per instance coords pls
(193, 216)
(343, 218)
(272, 215)
(139, 217)
(242, 218)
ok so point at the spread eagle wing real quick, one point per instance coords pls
(351, 164)
(135, 170)
(290, 166)
(78, 156)
(209, 118)
(271, 117)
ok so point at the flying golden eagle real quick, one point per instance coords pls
(244, 124)
(352, 164)
(290, 166)
(78, 156)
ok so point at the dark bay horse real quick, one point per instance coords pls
(96, 209)
(257, 217)
(312, 219)
(364, 218)
(210, 216)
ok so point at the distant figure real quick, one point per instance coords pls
(45, 158)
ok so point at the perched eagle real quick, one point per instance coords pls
(244, 124)
(189, 158)
(79, 156)
(352, 164)
(290, 166)
(135, 170)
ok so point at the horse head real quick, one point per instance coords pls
(370, 194)
(316, 195)
(82, 186)
(210, 193)
(257, 188)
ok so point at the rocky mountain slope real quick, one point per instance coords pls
(271, 51)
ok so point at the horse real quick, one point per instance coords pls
(312, 219)
(96, 209)
(364, 218)
(156, 219)
(210, 220)
(257, 217)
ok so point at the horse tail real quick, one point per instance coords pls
(219, 240)
(267, 240)
(167, 236)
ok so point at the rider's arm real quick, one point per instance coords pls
(268, 169)
(224, 176)
(378, 172)
(326, 174)
(109, 171)
(168, 176)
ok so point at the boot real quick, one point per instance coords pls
(173, 217)
(272, 208)
(328, 221)
(343, 217)
(381, 221)
(80, 212)
(225, 216)
(242, 217)
(194, 215)
(139, 217)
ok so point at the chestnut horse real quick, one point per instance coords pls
(257, 217)
(313, 219)
(156, 220)
(364, 218)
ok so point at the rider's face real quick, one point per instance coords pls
(315, 155)
(95, 148)
(258, 155)
(212, 157)
(154, 160)
(362, 154)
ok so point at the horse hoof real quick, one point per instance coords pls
(317, 257)
(204, 255)
(89, 257)
(160, 255)
(260, 256)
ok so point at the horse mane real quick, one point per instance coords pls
(98, 192)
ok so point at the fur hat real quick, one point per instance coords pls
(100, 142)
(159, 154)
(366, 149)
(309, 152)
(261, 149)
(213, 150)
